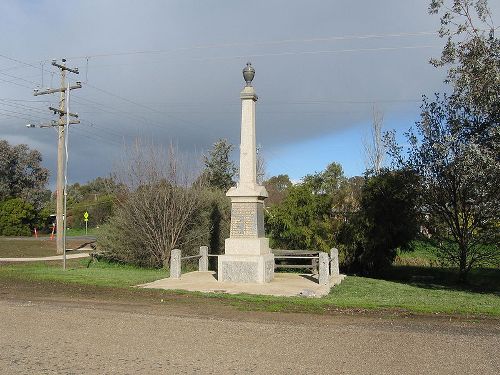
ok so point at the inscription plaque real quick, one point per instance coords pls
(246, 219)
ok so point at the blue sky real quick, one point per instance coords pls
(170, 71)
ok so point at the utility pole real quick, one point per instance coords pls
(61, 151)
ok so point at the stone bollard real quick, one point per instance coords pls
(175, 264)
(324, 273)
(203, 262)
(334, 262)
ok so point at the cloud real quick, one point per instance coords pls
(185, 84)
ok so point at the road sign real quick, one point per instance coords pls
(86, 219)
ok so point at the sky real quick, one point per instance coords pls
(170, 72)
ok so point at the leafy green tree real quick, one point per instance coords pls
(459, 185)
(277, 187)
(301, 221)
(21, 174)
(16, 217)
(220, 170)
(471, 54)
(456, 145)
(387, 220)
(328, 181)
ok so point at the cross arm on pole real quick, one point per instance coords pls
(61, 89)
(64, 67)
(57, 110)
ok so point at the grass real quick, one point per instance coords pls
(354, 292)
(81, 231)
(421, 254)
(411, 288)
(98, 274)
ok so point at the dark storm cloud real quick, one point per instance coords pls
(186, 86)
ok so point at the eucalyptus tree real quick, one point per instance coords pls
(454, 148)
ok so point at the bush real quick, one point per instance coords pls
(16, 217)
(387, 220)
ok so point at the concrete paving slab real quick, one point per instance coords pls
(283, 284)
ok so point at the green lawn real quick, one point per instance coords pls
(431, 296)
(97, 274)
(81, 232)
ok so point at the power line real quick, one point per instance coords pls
(262, 43)
(15, 83)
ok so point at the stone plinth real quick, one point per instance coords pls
(247, 258)
(246, 268)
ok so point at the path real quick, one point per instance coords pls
(41, 259)
(96, 337)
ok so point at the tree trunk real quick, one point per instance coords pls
(463, 270)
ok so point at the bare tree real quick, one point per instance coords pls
(159, 207)
(261, 166)
(373, 145)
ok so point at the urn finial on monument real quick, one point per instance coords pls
(248, 73)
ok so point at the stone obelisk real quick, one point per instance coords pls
(247, 257)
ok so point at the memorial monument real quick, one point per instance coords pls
(247, 257)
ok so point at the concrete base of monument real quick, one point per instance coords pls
(246, 268)
(283, 284)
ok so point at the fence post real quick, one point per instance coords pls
(324, 273)
(334, 262)
(175, 264)
(203, 262)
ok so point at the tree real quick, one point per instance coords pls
(472, 56)
(219, 169)
(374, 145)
(387, 220)
(97, 197)
(159, 210)
(455, 149)
(21, 174)
(459, 184)
(301, 221)
(327, 181)
(277, 187)
(16, 217)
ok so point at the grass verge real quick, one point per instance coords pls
(354, 293)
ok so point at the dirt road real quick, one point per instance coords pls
(74, 336)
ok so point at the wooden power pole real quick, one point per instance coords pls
(61, 150)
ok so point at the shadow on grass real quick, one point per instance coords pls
(480, 280)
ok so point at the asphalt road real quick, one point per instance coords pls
(65, 336)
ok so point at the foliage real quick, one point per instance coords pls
(97, 197)
(457, 141)
(459, 184)
(157, 211)
(301, 221)
(471, 54)
(387, 220)
(21, 174)
(16, 217)
(312, 215)
(327, 181)
(277, 187)
(219, 170)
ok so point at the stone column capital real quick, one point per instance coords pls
(248, 93)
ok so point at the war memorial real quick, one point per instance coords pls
(248, 263)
